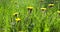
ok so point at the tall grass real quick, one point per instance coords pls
(36, 21)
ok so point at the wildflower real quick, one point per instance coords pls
(43, 9)
(15, 14)
(30, 9)
(51, 5)
(17, 19)
(58, 11)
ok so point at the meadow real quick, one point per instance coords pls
(29, 15)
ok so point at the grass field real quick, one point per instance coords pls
(40, 17)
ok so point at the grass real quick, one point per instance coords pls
(36, 21)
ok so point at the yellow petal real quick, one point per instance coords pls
(18, 19)
(43, 8)
(51, 5)
(15, 13)
(58, 11)
(30, 7)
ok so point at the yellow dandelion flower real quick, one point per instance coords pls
(29, 8)
(17, 19)
(58, 11)
(15, 14)
(51, 5)
(43, 9)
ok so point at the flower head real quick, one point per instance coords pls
(43, 9)
(29, 8)
(51, 5)
(15, 14)
(58, 11)
(17, 19)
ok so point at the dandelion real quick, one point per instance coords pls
(15, 14)
(30, 9)
(51, 5)
(58, 11)
(17, 19)
(43, 9)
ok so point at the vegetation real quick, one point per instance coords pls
(29, 15)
